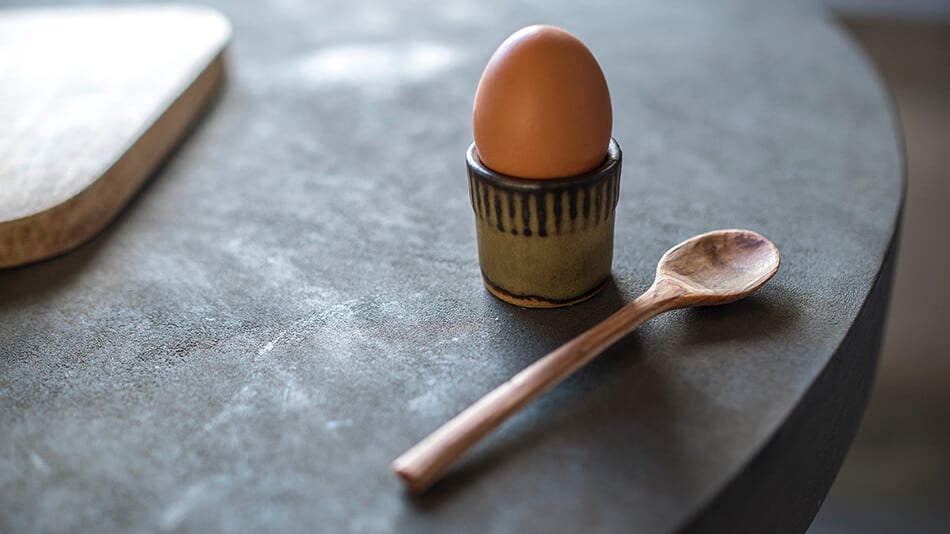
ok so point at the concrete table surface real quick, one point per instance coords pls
(295, 298)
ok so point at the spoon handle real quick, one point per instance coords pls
(421, 466)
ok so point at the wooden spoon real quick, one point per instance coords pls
(713, 268)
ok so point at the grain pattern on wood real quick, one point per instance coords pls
(91, 101)
(710, 269)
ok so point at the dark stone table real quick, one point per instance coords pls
(295, 298)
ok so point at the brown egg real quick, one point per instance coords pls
(542, 108)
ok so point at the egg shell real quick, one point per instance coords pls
(542, 108)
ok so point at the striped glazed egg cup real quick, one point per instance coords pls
(545, 243)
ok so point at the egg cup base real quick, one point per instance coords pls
(532, 301)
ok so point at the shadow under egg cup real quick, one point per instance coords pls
(545, 243)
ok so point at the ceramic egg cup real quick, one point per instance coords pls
(545, 243)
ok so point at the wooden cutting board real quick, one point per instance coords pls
(92, 99)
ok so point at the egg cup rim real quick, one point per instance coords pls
(608, 167)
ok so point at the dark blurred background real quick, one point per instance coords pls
(896, 478)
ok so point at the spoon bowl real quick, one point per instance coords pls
(718, 267)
